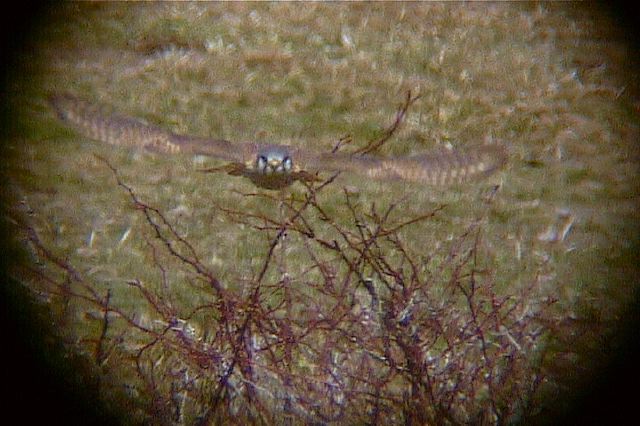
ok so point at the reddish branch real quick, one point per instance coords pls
(367, 328)
(376, 144)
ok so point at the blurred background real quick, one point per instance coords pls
(557, 84)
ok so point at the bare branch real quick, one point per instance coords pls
(376, 144)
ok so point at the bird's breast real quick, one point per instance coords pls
(271, 180)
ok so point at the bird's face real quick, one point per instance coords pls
(274, 161)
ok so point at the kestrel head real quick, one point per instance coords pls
(273, 160)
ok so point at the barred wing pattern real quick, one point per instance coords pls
(439, 167)
(97, 123)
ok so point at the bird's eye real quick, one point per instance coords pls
(287, 163)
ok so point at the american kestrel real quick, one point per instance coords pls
(278, 166)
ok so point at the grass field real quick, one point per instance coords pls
(202, 309)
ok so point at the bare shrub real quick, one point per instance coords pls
(365, 328)
(368, 331)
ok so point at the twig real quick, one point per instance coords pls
(375, 145)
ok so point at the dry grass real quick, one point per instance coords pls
(121, 278)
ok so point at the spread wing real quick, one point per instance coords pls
(439, 167)
(97, 123)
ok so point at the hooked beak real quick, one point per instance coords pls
(273, 165)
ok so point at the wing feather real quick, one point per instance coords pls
(441, 167)
(97, 123)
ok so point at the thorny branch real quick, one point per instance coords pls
(363, 327)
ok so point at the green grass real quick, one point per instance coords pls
(307, 75)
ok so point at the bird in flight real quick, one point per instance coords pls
(273, 166)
